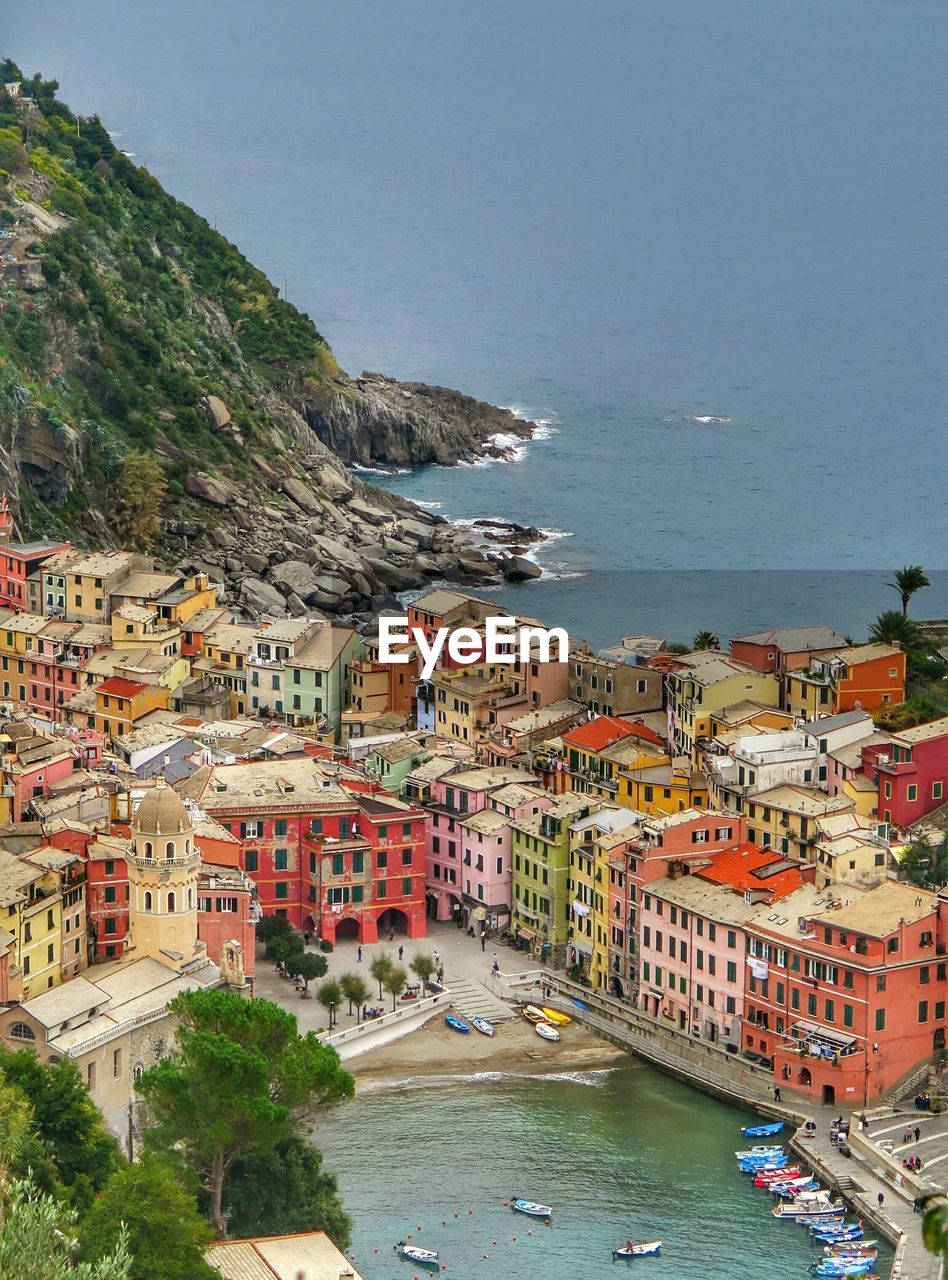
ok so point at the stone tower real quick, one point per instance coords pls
(162, 882)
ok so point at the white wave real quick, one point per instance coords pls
(428, 506)
(554, 535)
(562, 575)
(545, 429)
(594, 1078)
(382, 471)
(707, 418)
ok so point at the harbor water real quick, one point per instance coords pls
(616, 1153)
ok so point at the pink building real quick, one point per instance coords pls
(468, 839)
(693, 946)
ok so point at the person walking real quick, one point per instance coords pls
(401, 953)
(777, 1097)
(359, 953)
(435, 957)
(483, 939)
(880, 1198)
(918, 1133)
(440, 975)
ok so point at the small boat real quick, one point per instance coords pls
(424, 1257)
(643, 1250)
(483, 1026)
(546, 1032)
(533, 1014)
(774, 1177)
(580, 1004)
(457, 1024)
(530, 1208)
(558, 1019)
(761, 1130)
(810, 1204)
(751, 1153)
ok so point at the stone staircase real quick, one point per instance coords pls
(471, 1000)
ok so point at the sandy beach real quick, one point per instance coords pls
(515, 1048)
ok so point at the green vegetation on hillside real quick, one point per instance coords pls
(145, 310)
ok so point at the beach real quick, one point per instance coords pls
(514, 1049)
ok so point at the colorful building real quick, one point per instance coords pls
(910, 771)
(540, 848)
(700, 685)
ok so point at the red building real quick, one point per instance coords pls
(19, 561)
(784, 648)
(107, 896)
(911, 772)
(336, 861)
(845, 990)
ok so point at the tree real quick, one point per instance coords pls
(705, 640)
(68, 1150)
(38, 1240)
(271, 927)
(286, 1192)
(379, 969)
(240, 1075)
(285, 948)
(923, 865)
(356, 990)
(908, 580)
(138, 500)
(934, 1206)
(423, 967)
(330, 997)
(893, 627)
(167, 1236)
(395, 982)
(309, 967)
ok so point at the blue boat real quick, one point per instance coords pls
(580, 1004)
(457, 1024)
(761, 1130)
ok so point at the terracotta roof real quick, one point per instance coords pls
(121, 687)
(750, 867)
(602, 732)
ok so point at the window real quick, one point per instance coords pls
(406, 886)
(406, 859)
(316, 826)
(110, 893)
(880, 1019)
(731, 971)
(381, 889)
(280, 889)
(280, 859)
(20, 1031)
(811, 1005)
(109, 868)
(110, 924)
(251, 860)
(911, 792)
(338, 864)
(116, 1063)
(923, 1010)
(731, 939)
(381, 860)
(171, 902)
(279, 827)
(936, 790)
(358, 861)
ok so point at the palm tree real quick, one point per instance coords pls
(894, 627)
(705, 640)
(396, 979)
(423, 967)
(908, 580)
(330, 997)
(356, 990)
(379, 968)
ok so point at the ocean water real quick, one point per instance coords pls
(615, 1153)
(703, 242)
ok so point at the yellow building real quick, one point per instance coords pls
(33, 905)
(668, 786)
(593, 840)
(785, 818)
(91, 580)
(702, 684)
(466, 699)
(224, 651)
(121, 702)
(808, 694)
(138, 627)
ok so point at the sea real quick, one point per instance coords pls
(616, 1153)
(702, 244)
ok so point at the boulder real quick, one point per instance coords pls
(218, 415)
(393, 576)
(219, 493)
(372, 515)
(299, 493)
(259, 597)
(331, 552)
(519, 569)
(417, 532)
(293, 576)
(334, 484)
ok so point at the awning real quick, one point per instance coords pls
(526, 912)
(813, 1030)
(479, 913)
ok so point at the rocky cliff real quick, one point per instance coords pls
(130, 330)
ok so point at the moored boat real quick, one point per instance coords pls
(424, 1257)
(632, 1250)
(758, 1152)
(580, 1004)
(530, 1208)
(483, 1026)
(457, 1024)
(533, 1014)
(558, 1019)
(546, 1032)
(761, 1130)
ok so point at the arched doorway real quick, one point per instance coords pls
(806, 1077)
(938, 1040)
(392, 921)
(309, 923)
(829, 1095)
(348, 928)
(617, 988)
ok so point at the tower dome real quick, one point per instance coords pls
(161, 812)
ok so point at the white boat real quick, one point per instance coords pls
(758, 1153)
(644, 1250)
(804, 1207)
(531, 1208)
(546, 1032)
(483, 1026)
(424, 1257)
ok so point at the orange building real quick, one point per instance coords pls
(866, 676)
(120, 702)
